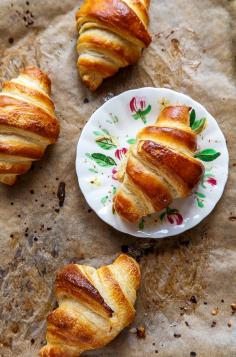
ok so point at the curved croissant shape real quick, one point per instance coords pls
(94, 306)
(112, 34)
(27, 122)
(160, 166)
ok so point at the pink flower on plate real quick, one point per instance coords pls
(208, 178)
(114, 172)
(175, 218)
(172, 215)
(119, 154)
(212, 181)
(140, 108)
(137, 104)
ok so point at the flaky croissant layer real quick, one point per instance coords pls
(27, 122)
(112, 34)
(94, 306)
(160, 167)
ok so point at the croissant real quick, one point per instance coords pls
(94, 306)
(27, 122)
(160, 166)
(112, 35)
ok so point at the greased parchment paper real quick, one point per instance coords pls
(188, 282)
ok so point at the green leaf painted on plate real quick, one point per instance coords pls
(200, 203)
(136, 116)
(207, 155)
(113, 190)
(192, 117)
(106, 142)
(171, 210)
(162, 215)
(141, 224)
(200, 195)
(93, 171)
(209, 175)
(97, 133)
(147, 110)
(102, 132)
(103, 160)
(131, 141)
(106, 131)
(202, 183)
(199, 125)
(104, 200)
(114, 118)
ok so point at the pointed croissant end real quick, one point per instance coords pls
(92, 81)
(176, 113)
(9, 180)
(57, 351)
(94, 70)
(37, 75)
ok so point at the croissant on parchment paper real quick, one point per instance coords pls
(160, 166)
(94, 306)
(112, 35)
(27, 122)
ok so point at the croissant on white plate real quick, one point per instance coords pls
(112, 35)
(94, 306)
(27, 122)
(160, 166)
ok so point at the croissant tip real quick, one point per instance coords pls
(37, 73)
(90, 82)
(9, 181)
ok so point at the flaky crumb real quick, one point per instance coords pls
(215, 311)
(141, 333)
(233, 307)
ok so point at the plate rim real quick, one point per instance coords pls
(204, 215)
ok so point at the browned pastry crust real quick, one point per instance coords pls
(160, 167)
(94, 306)
(112, 34)
(27, 122)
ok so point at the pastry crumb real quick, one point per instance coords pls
(215, 311)
(213, 324)
(140, 332)
(177, 335)
(233, 307)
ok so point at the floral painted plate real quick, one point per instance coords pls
(105, 140)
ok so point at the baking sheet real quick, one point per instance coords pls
(184, 279)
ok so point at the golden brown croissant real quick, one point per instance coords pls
(94, 306)
(112, 34)
(27, 122)
(160, 166)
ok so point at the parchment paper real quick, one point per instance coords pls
(183, 278)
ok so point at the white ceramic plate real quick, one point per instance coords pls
(106, 138)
